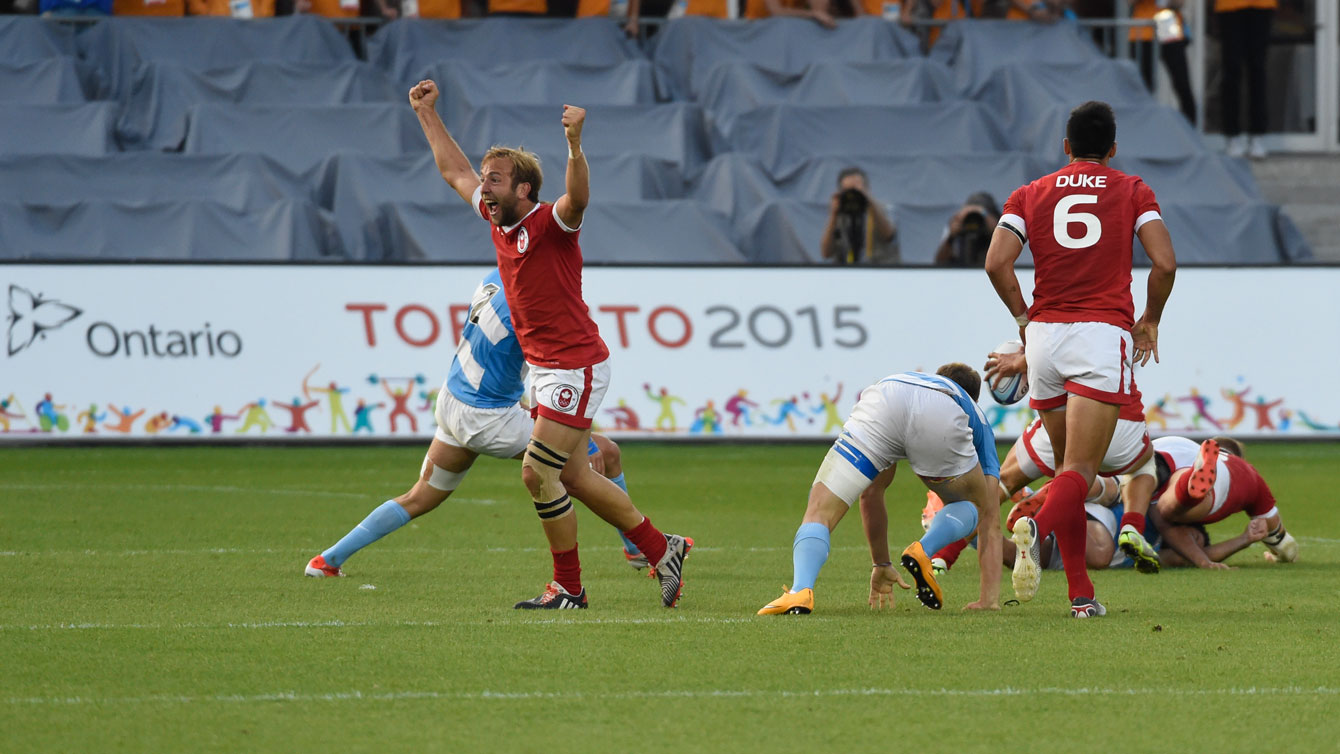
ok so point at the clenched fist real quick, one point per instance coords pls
(423, 96)
(573, 117)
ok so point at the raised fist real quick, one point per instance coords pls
(573, 118)
(423, 96)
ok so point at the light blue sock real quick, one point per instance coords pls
(808, 554)
(952, 523)
(387, 517)
(628, 545)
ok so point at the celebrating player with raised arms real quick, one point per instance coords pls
(540, 263)
(1081, 338)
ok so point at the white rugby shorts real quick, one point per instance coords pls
(1091, 359)
(569, 396)
(495, 432)
(895, 421)
(1036, 458)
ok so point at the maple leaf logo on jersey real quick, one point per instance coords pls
(564, 397)
(30, 316)
(522, 240)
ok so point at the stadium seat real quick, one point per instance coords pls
(85, 128)
(161, 93)
(1017, 91)
(922, 178)
(1208, 178)
(784, 136)
(286, 230)
(466, 85)
(51, 81)
(1231, 233)
(973, 49)
(734, 183)
(1147, 130)
(407, 47)
(205, 43)
(783, 231)
(664, 232)
(238, 181)
(301, 137)
(28, 39)
(685, 49)
(921, 227)
(733, 87)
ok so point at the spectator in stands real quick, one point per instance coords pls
(1244, 36)
(821, 11)
(969, 233)
(637, 10)
(68, 7)
(234, 8)
(1170, 32)
(858, 230)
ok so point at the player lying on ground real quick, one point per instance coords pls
(932, 422)
(476, 414)
(540, 262)
(1208, 482)
(1130, 452)
(1080, 334)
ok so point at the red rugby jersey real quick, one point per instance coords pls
(541, 266)
(1080, 224)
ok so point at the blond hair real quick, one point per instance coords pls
(525, 167)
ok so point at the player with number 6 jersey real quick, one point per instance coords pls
(1080, 334)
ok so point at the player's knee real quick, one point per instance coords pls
(610, 452)
(542, 471)
(421, 499)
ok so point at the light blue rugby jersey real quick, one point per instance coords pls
(489, 368)
(983, 439)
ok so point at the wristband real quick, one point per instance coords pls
(881, 565)
(1022, 319)
(571, 154)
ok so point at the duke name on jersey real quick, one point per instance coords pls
(489, 369)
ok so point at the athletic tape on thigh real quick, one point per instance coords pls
(554, 508)
(842, 477)
(439, 478)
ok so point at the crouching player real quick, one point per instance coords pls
(477, 413)
(932, 422)
(1206, 483)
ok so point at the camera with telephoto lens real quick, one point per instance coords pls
(852, 202)
(972, 240)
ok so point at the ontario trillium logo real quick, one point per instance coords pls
(31, 315)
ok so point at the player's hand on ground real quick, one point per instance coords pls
(1213, 566)
(573, 118)
(882, 579)
(423, 96)
(1257, 529)
(1002, 366)
(1145, 334)
(982, 605)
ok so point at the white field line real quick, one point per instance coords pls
(546, 622)
(506, 696)
(104, 486)
(414, 550)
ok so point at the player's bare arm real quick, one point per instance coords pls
(1158, 245)
(1000, 258)
(1002, 366)
(875, 522)
(572, 205)
(451, 161)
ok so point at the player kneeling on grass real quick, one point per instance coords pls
(477, 413)
(932, 422)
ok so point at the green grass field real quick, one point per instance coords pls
(153, 600)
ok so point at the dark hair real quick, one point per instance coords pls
(966, 377)
(1203, 532)
(850, 171)
(1092, 130)
(1232, 446)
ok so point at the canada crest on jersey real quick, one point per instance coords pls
(564, 397)
(522, 240)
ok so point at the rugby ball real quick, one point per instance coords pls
(1013, 389)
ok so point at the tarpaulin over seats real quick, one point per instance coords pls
(466, 85)
(733, 87)
(923, 178)
(204, 43)
(301, 137)
(674, 132)
(975, 48)
(47, 82)
(25, 39)
(407, 47)
(353, 186)
(160, 94)
(1149, 130)
(785, 136)
(1207, 178)
(921, 228)
(239, 181)
(664, 232)
(1021, 90)
(782, 231)
(98, 230)
(685, 49)
(734, 183)
(58, 129)
(1240, 233)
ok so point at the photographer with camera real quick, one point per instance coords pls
(969, 233)
(858, 230)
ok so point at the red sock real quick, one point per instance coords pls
(1133, 519)
(568, 570)
(649, 540)
(1064, 516)
(1183, 492)
(950, 552)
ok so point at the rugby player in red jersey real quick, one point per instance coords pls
(1080, 333)
(541, 266)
